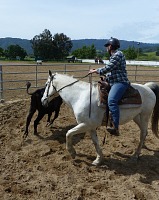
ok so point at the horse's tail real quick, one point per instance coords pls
(155, 114)
(28, 84)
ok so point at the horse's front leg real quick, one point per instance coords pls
(99, 157)
(80, 128)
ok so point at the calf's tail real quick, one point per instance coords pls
(28, 84)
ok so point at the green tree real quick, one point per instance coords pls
(62, 45)
(1, 52)
(42, 45)
(14, 51)
(157, 52)
(92, 51)
(47, 47)
(130, 53)
(86, 52)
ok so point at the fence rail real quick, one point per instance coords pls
(13, 78)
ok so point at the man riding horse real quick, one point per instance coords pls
(116, 76)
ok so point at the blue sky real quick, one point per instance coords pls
(136, 20)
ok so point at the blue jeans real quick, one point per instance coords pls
(116, 92)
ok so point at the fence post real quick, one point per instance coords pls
(65, 68)
(36, 75)
(1, 85)
(135, 73)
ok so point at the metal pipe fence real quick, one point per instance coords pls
(13, 78)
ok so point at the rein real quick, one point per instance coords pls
(71, 83)
(90, 81)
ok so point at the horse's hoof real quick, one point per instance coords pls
(97, 162)
(25, 136)
(72, 152)
(73, 156)
(49, 124)
(134, 159)
(35, 133)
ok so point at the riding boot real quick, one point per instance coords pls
(113, 131)
(111, 128)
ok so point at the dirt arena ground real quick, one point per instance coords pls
(41, 168)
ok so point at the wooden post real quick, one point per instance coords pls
(36, 75)
(65, 68)
(136, 74)
(1, 85)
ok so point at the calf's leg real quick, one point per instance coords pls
(37, 120)
(49, 122)
(29, 117)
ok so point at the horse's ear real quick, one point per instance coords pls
(50, 73)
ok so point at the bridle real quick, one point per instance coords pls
(57, 91)
(51, 80)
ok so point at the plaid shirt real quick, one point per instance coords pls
(115, 70)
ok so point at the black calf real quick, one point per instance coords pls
(54, 106)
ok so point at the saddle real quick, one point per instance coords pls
(131, 95)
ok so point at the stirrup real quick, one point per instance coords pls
(113, 131)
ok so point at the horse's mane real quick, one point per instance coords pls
(70, 79)
(67, 77)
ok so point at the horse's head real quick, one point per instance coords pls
(50, 90)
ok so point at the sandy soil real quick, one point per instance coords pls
(41, 168)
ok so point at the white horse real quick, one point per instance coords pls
(76, 94)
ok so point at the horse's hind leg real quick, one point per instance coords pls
(142, 122)
(99, 157)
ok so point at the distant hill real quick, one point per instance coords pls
(24, 43)
(99, 44)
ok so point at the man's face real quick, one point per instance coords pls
(109, 48)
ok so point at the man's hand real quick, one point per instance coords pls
(91, 71)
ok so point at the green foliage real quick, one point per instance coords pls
(47, 47)
(15, 51)
(149, 56)
(42, 45)
(106, 56)
(130, 53)
(62, 46)
(1, 52)
(157, 52)
(86, 52)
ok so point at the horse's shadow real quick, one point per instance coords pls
(60, 135)
(146, 165)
